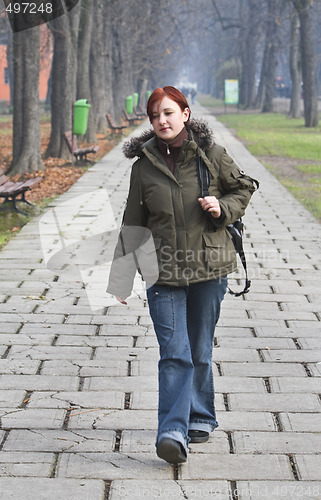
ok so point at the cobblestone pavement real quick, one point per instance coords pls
(78, 383)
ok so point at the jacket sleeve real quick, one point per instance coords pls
(236, 187)
(132, 235)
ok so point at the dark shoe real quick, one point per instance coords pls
(172, 451)
(198, 436)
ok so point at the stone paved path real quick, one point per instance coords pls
(78, 383)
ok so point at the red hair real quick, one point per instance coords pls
(170, 92)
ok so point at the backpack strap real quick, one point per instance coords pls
(236, 229)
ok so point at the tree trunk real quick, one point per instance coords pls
(26, 151)
(310, 99)
(249, 15)
(108, 50)
(273, 22)
(295, 66)
(98, 60)
(64, 64)
(83, 62)
(122, 70)
(10, 65)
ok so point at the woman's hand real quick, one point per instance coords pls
(212, 205)
(122, 300)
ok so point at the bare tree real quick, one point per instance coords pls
(295, 66)
(83, 61)
(304, 9)
(249, 35)
(64, 64)
(99, 56)
(26, 152)
(269, 64)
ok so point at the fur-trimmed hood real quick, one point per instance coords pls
(198, 130)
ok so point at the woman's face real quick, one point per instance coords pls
(168, 119)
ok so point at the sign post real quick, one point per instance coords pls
(231, 92)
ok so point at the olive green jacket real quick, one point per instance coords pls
(191, 246)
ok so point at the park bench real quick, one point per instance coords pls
(9, 190)
(113, 127)
(141, 115)
(79, 153)
(131, 119)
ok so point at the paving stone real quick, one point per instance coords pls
(49, 352)
(115, 419)
(301, 422)
(16, 464)
(229, 354)
(279, 442)
(38, 382)
(11, 398)
(127, 384)
(61, 367)
(132, 330)
(230, 421)
(59, 441)
(29, 418)
(315, 369)
(58, 329)
(310, 385)
(8, 327)
(14, 339)
(311, 343)
(50, 489)
(287, 332)
(294, 490)
(275, 402)
(263, 369)
(298, 356)
(222, 332)
(237, 467)
(113, 466)
(309, 466)
(77, 400)
(256, 343)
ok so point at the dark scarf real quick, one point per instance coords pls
(170, 150)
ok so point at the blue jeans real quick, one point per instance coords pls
(184, 320)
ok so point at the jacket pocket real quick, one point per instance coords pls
(245, 180)
(219, 250)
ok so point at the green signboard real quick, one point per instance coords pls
(231, 91)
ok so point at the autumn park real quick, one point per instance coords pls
(81, 400)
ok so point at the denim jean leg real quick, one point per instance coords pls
(168, 311)
(203, 310)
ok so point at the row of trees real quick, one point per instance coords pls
(106, 50)
(258, 38)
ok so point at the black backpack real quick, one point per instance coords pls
(236, 229)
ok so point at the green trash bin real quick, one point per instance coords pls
(81, 110)
(148, 94)
(136, 98)
(129, 104)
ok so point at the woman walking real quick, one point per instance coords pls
(195, 254)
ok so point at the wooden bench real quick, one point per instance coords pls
(114, 128)
(79, 153)
(9, 190)
(141, 115)
(131, 119)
